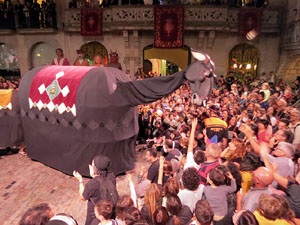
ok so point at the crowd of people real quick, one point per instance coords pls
(31, 14)
(78, 4)
(233, 161)
(9, 83)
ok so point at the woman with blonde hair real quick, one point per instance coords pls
(152, 200)
(235, 150)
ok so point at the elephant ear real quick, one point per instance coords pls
(199, 55)
(202, 57)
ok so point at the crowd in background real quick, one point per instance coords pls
(9, 82)
(106, 3)
(234, 160)
(31, 14)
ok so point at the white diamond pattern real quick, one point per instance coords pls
(40, 105)
(62, 108)
(51, 106)
(42, 88)
(65, 91)
(60, 74)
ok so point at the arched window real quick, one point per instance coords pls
(9, 62)
(42, 54)
(243, 61)
(93, 48)
(167, 61)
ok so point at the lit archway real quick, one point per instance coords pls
(42, 54)
(243, 61)
(93, 48)
(170, 60)
(9, 61)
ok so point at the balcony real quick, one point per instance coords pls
(291, 37)
(197, 17)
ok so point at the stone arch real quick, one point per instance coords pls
(9, 61)
(93, 48)
(41, 54)
(243, 61)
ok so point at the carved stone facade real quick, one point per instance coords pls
(129, 29)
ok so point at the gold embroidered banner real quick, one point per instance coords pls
(168, 26)
(5, 99)
(91, 21)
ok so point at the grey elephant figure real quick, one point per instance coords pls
(71, 114)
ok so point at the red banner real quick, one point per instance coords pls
(91, 21)
(55, 88)
(168, 26)
(249, 19)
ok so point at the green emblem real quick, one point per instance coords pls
(53, 90)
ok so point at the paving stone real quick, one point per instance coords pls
(30, 183)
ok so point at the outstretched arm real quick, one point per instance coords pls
(251, 137)
(81, 185)
(160, 170)
(189, 157)
(280, 179)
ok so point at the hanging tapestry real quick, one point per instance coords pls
(249, 19)
(91, 21)
(168, 26)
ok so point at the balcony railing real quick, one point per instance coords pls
(291, 37)
(197, 17)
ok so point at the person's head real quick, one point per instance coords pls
(284, 149)
(173, 204)
(244, 217)
(262, 123)
(204, 212)
(283, 123)
(270, 111)
(286, 213)
(100, 166)
(235, 171)
(62, 219)
(213, 151)
(171, 187)
(265, 86)
(261, 96)
(295, 115)
(199, 157)
(79, 53)
(281, 103)
(151, 154)
(132, 215)
(169, 144)
(123, 204)
(216, 177)
(262, 177)
(161, 216)
(98, 59)
(237, 149)
(103, 210)
(59, 53)
(37, 215)
(151, 197)
(284, 135)
(190, 179)
(167, 168)
(269, 207)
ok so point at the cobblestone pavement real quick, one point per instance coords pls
(25, 183)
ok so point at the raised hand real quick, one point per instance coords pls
(77, 175)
